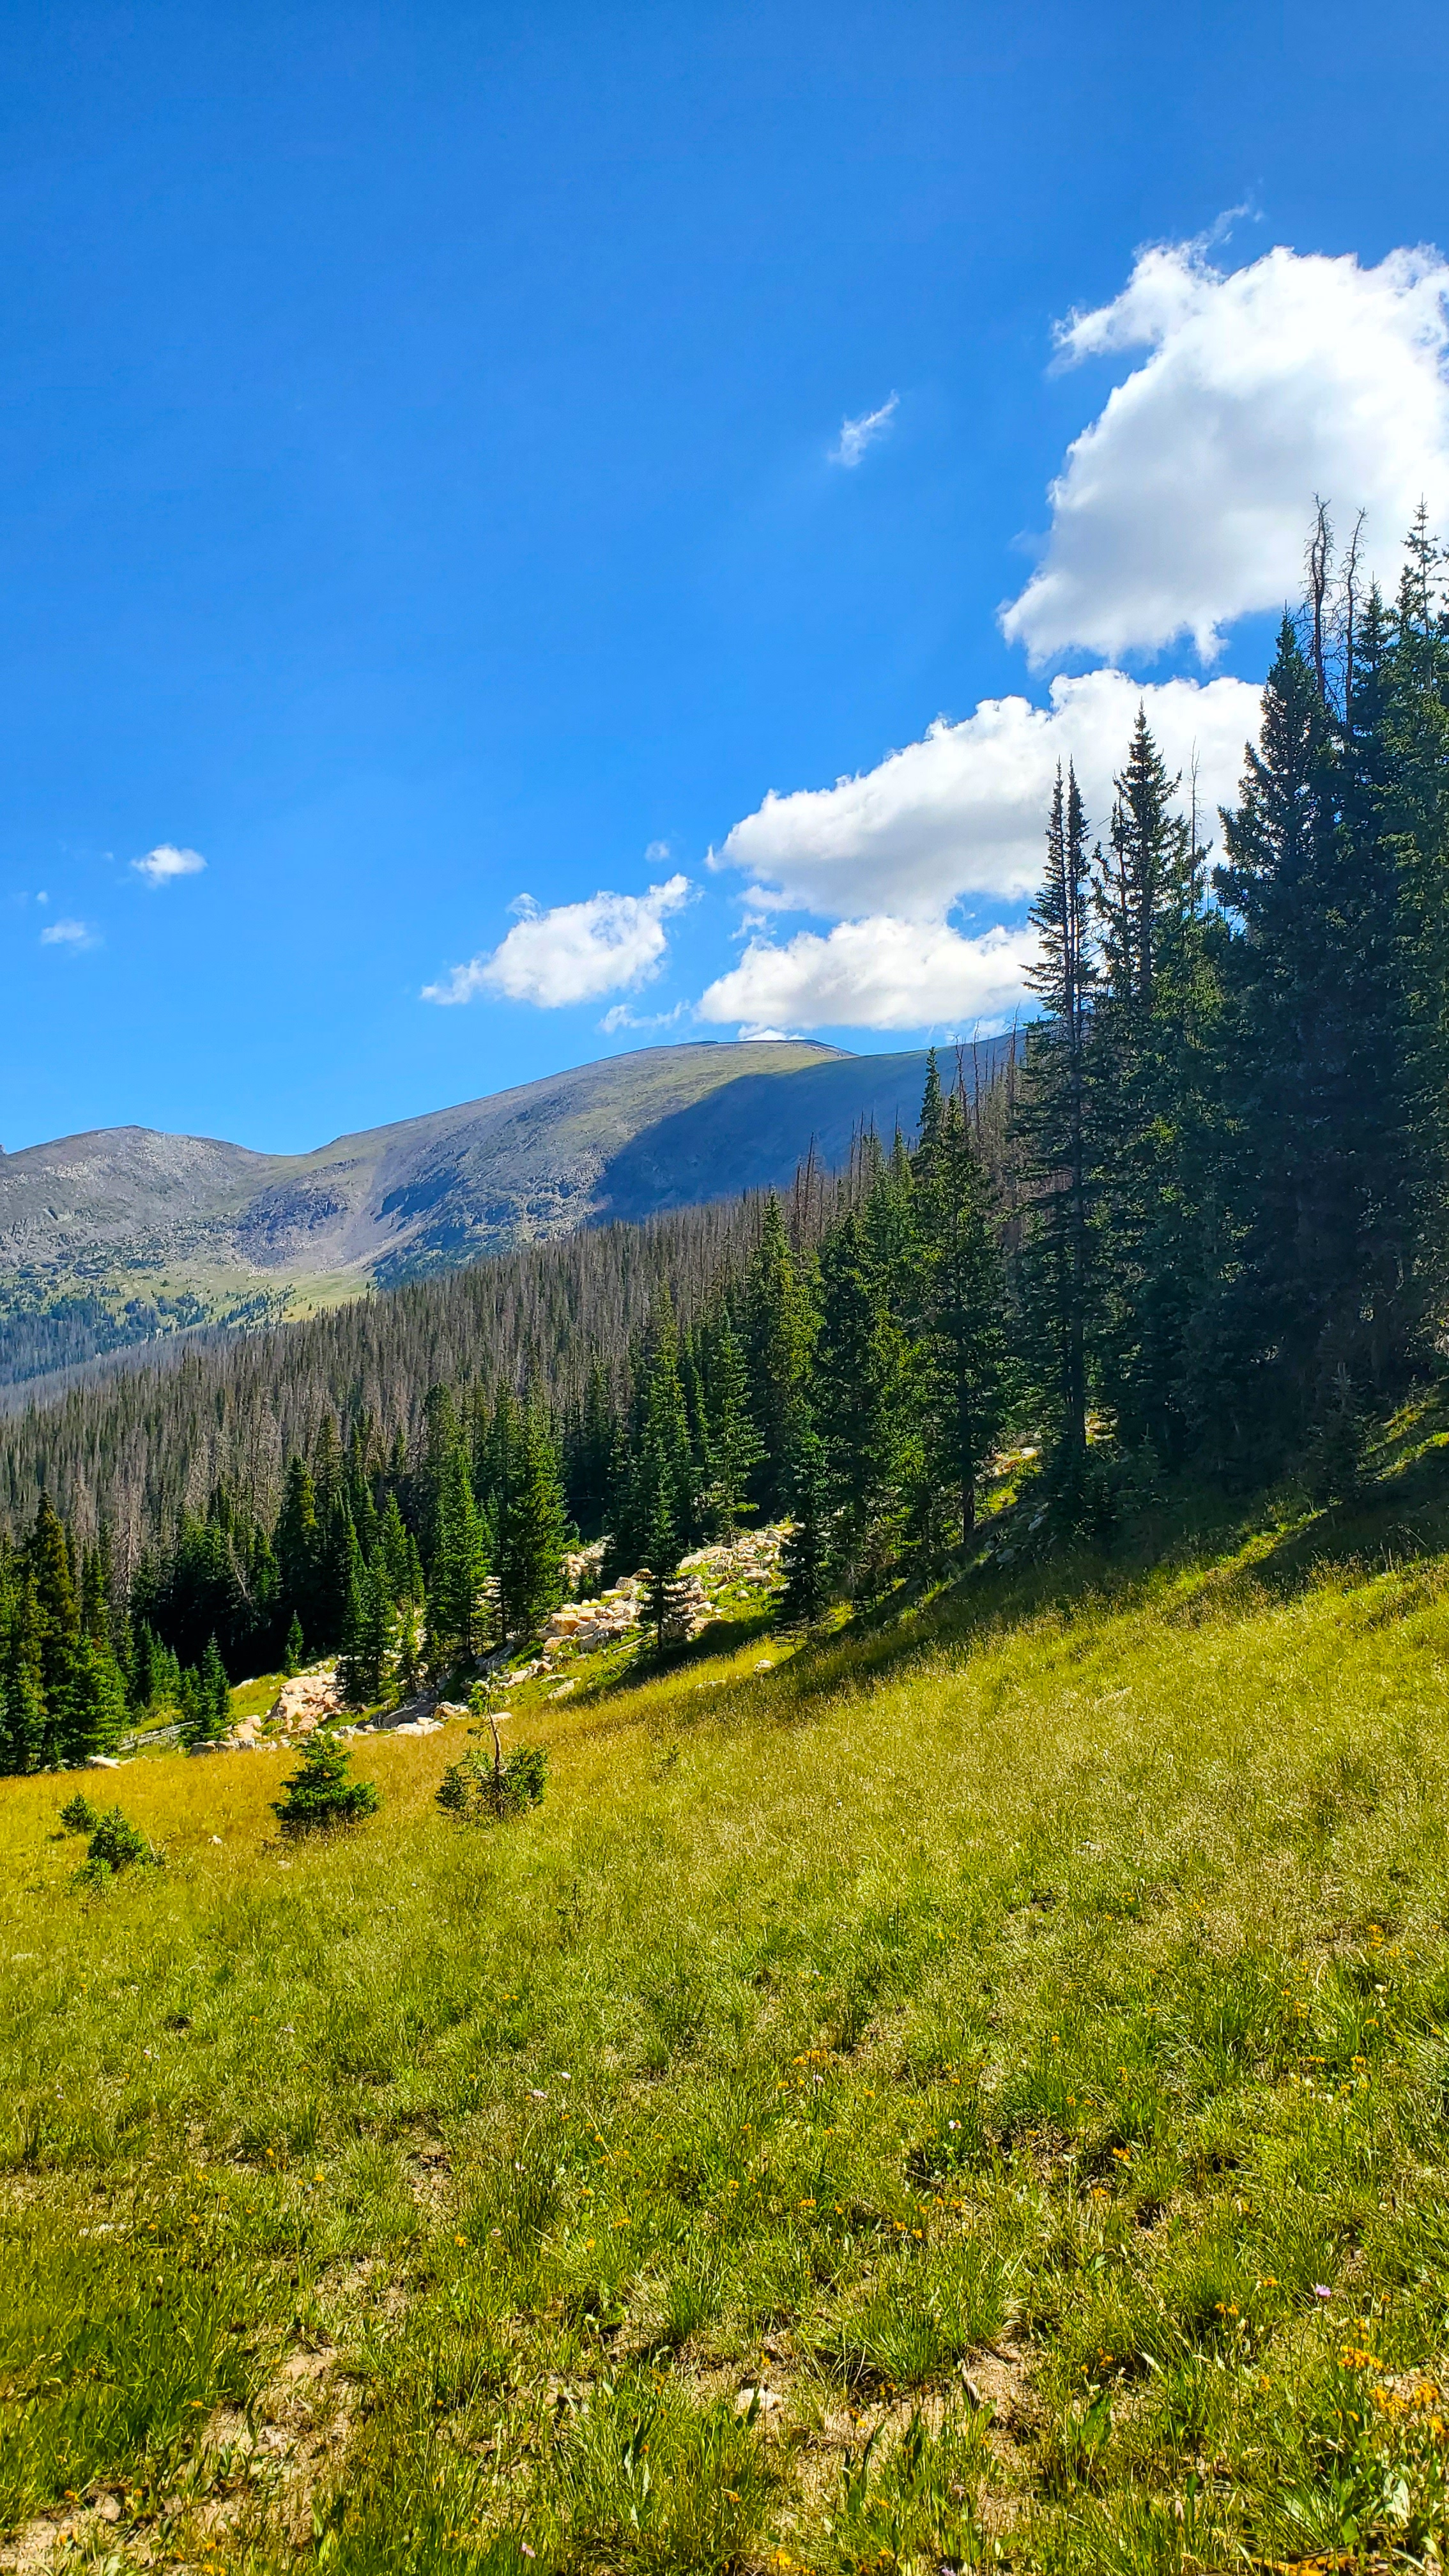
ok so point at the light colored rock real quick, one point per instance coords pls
(766, 2401)
(305, 1702)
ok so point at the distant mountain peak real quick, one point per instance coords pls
(113, 1237)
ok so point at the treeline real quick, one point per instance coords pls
(135, 1450)
(1206, 1232)
(412, 1557)
(1233, 1131)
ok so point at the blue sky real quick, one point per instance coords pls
(423, 488)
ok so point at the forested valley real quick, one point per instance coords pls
(1197, 1230)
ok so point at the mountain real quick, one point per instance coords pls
(113, 1239)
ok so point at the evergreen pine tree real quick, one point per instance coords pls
(365, 1665)
(144, 1643)
(592, 1464)
(442, 1437)
(457, 1607)
(1155, 1074)
(805, 1557)
(409, 1667)
(217, 1684)
(857, 1393)
(960, 1357)
(379, 1633)
(1052, 1124)
(734, 1444)
(329, 1467)
(320, 1795)
(398, 1553)
(352, 1676)
(96, 1703)
(661, 1463)
(531, 1529)
(1331, 1184)
(776, 1332)
(22, 1689)
(295, 1652)
(206, 1712)
(336, 1558)
(58, 1617)
(296, 1544)
(663, 1604)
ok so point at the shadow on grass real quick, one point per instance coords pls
(1219, 1551)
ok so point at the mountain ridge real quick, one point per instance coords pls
(116, 1237)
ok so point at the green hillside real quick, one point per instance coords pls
(971, 2093)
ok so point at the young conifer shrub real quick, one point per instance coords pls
(484, 1790)
(115, 1845)
(78, 1816)
(321, 1795)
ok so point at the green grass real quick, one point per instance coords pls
(1013, 2044)
(256, 1698)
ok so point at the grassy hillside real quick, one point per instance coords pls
(972, 2093)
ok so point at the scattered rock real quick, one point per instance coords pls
(305, 1702)
(766, 2401)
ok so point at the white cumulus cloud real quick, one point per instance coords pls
(857, 435)
(1185, 503)
(961, 813)
(881, 973)
(610, 943)
(163, 865)
(70, 934)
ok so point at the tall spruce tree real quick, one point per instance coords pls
(592, 1460)
(58, 1617)
(22, 1685)
(777, 1337)
(857, 1388)
(352, 1659)
(1410, 656)
(532, 1528)
(1154, 1065)
(296, 1546)
(960, 1353)
(661, 1457)
(1330, 1199)
(95, 1713)
(457, 1591)
(806, 1555)
(1052, 1121)
(735, 1448)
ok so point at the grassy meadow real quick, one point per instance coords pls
(973, 2093)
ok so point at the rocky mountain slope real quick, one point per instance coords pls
(115, 1238)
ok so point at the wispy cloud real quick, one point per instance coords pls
(857, 435)
(577, 952)
(70, 934)
(163, 865)
(621, 1017)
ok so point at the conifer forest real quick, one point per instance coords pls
(1197, 1228)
